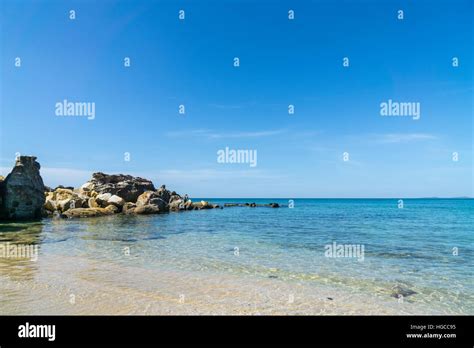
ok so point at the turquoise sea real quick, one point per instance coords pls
(427, 247)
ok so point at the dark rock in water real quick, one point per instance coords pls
(206, 205)
(253, 205)
(272, 276)
(400, 291)
(165, 194)
(22, 192)
(125, 186)
(274, 205)
(330, 298)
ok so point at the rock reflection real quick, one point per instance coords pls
(19, 250)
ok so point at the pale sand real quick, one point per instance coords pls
(100, 287)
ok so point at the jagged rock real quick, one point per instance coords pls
(125, 186)
(164, 194)
(87, 187)
(117, 201)
(112, 208)
(152, 198)
(22, 191)
(50, 205)
(128, 208)
(188, 205)
(177, 205)
(103, 198)
(146, 209)
(174, 198)
(92, 203)
(63, 199)
(274, 205)
(60, 194)
(87, 212)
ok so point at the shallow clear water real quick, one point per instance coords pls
(410, 247)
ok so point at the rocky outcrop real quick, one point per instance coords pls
(128, 187)
(24, 196)
(22, 191)
(111, 194)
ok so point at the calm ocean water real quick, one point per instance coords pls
(411, 247)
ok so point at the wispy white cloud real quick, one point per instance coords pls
(209, 134)
(212, 174)
(403, 137)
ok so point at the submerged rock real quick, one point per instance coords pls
(22, 191)
(401, 291)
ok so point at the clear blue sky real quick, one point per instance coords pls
(283, 62)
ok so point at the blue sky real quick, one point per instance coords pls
(282, 62)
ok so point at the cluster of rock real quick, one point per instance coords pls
(24, 196)
(110, 194)
(22, 191)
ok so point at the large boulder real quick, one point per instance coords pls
(103, 198)
(117, 201)
(125, 186)
(146, 209)
(22, 192)
(152, 198)
(63, 199)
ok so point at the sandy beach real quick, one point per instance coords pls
(61, 285)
